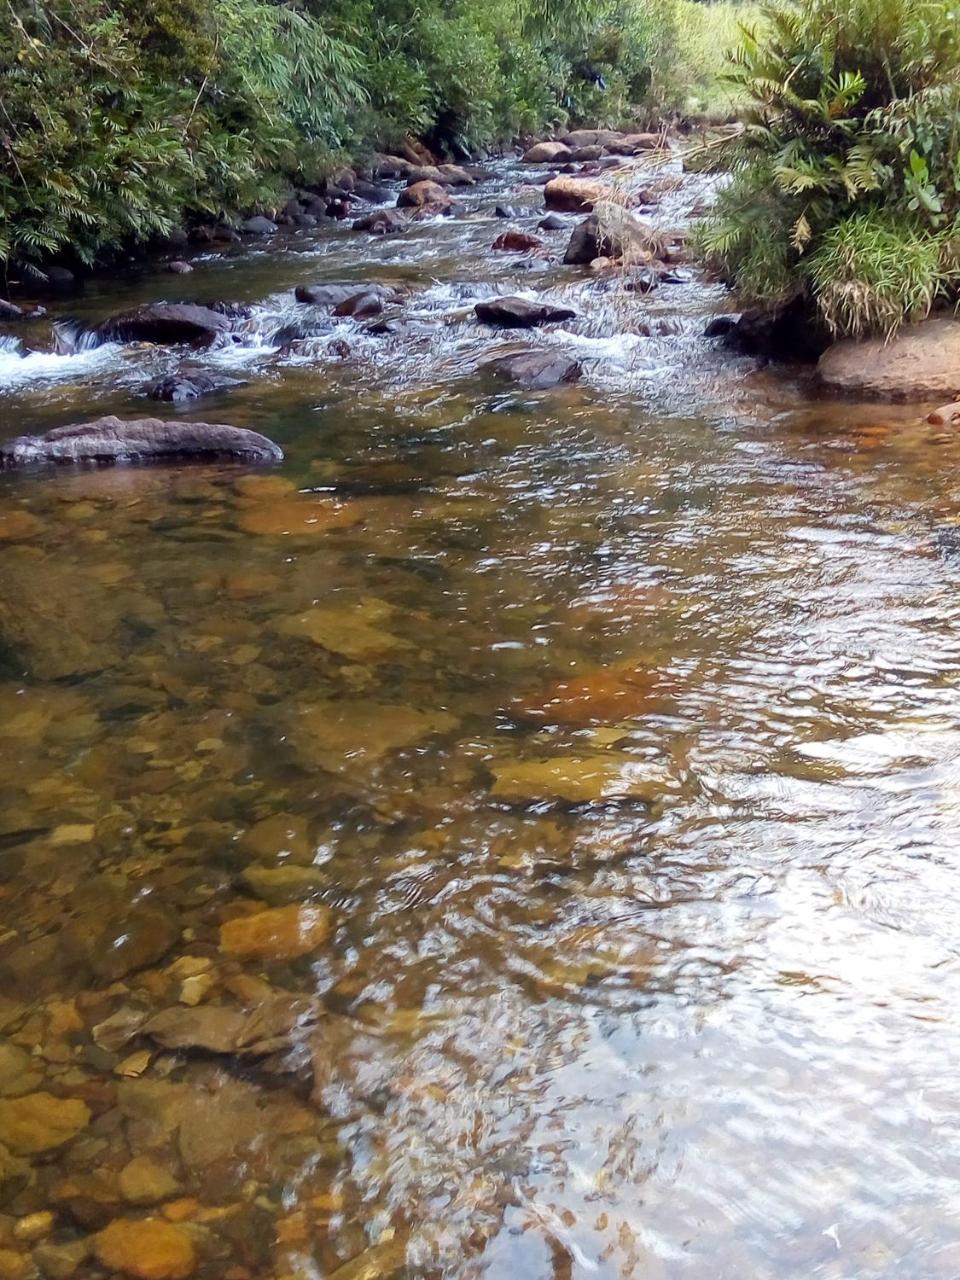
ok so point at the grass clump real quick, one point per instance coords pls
(846, 180)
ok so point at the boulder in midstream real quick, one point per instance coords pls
(139, 440)
(520, 313)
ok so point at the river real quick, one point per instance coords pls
(513, 837)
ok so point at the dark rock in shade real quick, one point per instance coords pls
(324, 295)
(536, 369)
(720, 326)
(370, 191)
(60, 278)
(586, 243)
(164, 322)
(788, 333)
(552, 222)
(259, 226)
(389, 167)
(518, 313)
(10, 311)
(366, 302)
(506, 211)
(385, 222)
(114, 440)
(179, 268)
(190, 386)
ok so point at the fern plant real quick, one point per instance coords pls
(846, 178)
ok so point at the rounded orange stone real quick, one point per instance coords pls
(281, 933)
(146, 1248)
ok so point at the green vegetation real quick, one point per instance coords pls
(707, 36)
(120, 118)
(846, 182)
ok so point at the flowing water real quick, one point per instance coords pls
(514, 837)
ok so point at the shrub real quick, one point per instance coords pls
(846, 179)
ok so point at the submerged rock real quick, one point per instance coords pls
(190, 386)
(537, 369)
(115, 440)
(144, 1181)
(280, 933)
(40, 1122)
(921, 360)
(164, 322)
(519, 313)
(580, 779)
(146, 1248)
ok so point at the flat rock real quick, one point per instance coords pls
(164, 322)
(921, 361)
(346, 734)
(40, 1122)
(580, 779)
(537, 370)
(519, 313)
(325, 295)
(116, 440)
(280, 933)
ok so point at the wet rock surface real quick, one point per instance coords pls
(536, 369)
(178, 387)
(165, 322)
(520, 313)
(116, 440)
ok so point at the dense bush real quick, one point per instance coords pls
(120, 117)
(846, 182)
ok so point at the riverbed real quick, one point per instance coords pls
(513, 837)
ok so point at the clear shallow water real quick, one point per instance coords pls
(597, 750)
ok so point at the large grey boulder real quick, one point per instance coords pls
(115, 440)
(921, 361)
